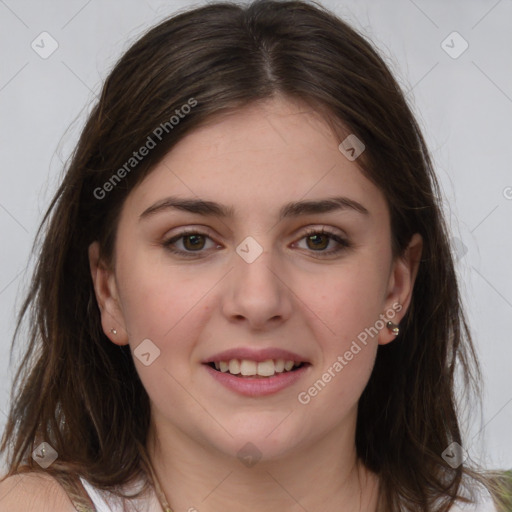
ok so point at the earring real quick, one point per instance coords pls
(393, 327)
(113, 331)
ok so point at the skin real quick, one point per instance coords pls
(255, 160)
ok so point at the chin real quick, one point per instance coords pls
(267, 440)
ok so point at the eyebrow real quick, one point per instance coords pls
(293, 209)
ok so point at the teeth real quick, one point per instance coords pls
(246, 367)
(266, 368)
(234, 366)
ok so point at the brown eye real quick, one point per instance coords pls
(192, 244)
(318, 241)
(195, 242)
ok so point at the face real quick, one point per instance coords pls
(269, 274)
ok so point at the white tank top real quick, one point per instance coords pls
(104, 501)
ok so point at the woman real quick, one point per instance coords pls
(245, 296)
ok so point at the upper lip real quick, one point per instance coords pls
(255, 355)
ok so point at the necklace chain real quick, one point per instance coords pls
(159, 491)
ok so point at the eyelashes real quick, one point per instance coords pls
(316, 237)
(186, 235)
(342, 243)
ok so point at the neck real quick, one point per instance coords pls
(314, 478)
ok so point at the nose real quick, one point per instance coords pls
(257, 293)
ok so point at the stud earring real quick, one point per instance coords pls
(113, 331)
(393, 328)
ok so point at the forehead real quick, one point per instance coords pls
(255, 160)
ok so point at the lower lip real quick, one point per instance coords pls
(258, 386)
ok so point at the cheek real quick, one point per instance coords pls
(348, 377)
(348, 299)
(346, 333)
(347, 302)
(163, 305)
(158, 299)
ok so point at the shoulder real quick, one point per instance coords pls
(33, 491)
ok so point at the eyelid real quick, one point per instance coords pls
(341, 239)
(169, 241)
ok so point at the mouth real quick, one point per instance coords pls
(257, 373)
(249, 369)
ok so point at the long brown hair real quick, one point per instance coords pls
(77, 390)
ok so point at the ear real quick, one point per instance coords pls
(400, 286)
(105, 289)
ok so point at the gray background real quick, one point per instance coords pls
(464, 106)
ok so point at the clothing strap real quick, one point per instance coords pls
(73, 487)
(76, 492)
